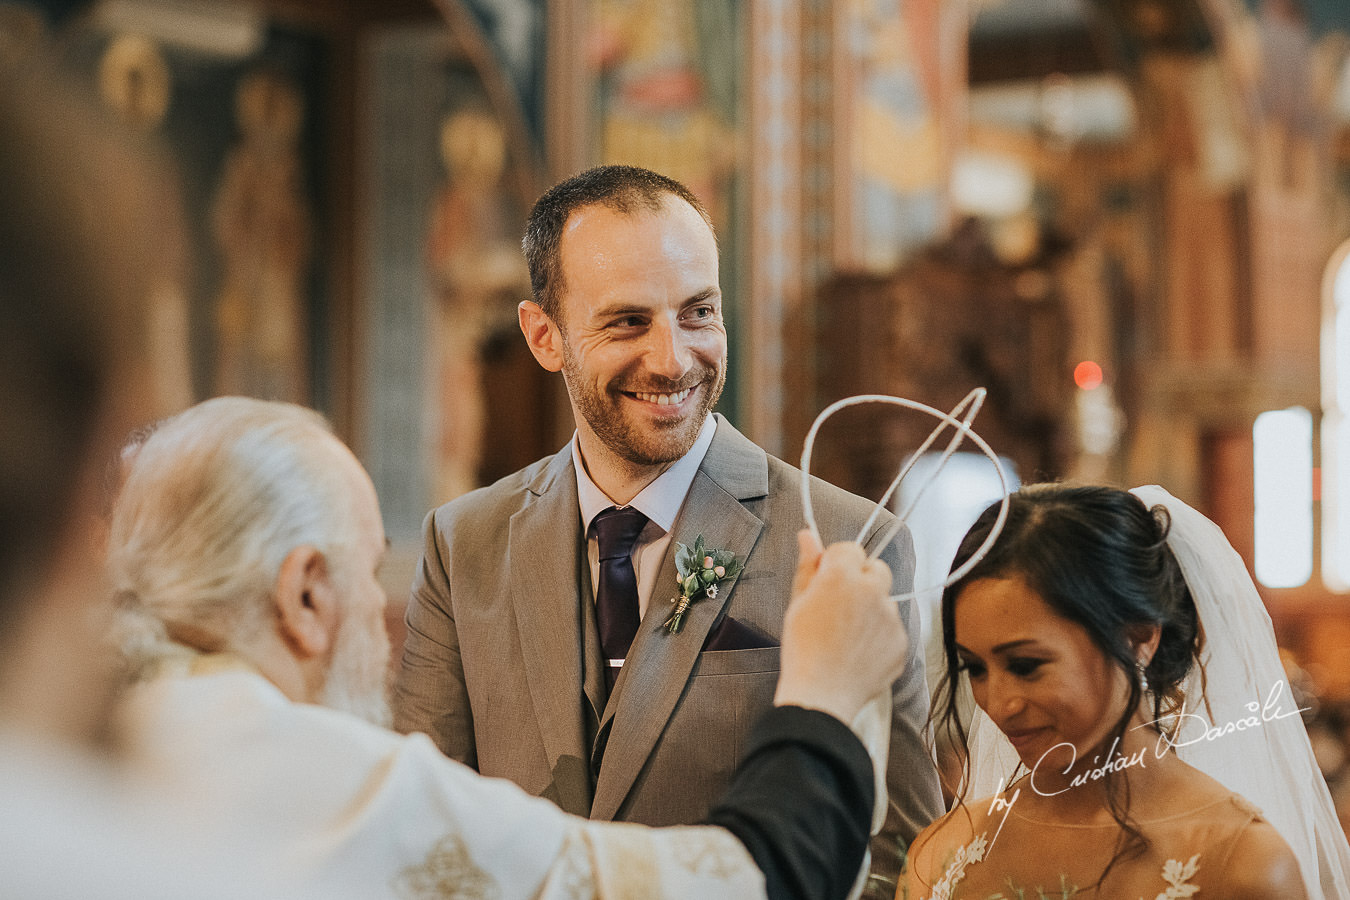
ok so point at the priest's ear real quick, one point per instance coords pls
(542, 334)
(307, 604)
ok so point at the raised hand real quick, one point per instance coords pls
(843, 640)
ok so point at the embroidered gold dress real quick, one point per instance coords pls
(1005, 855)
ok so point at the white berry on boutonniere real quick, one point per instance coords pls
(699, 571)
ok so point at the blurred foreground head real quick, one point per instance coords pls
(87, 239)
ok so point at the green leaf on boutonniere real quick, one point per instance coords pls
(699, 571)
(684, 559)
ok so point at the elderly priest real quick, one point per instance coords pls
(245, 546)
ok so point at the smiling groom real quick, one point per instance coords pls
(538, 647)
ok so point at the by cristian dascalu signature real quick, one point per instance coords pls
(1186, 729)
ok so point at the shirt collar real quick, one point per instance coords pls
(659, 501)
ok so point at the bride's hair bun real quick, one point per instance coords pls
(1180, 644)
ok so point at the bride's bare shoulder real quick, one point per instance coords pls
(1260, 865)
(930, 851)
(935, 844)
(959, 825)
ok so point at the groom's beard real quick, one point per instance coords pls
(357, 680)
(628, 436)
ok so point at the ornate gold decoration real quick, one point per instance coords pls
(448, 873)
(706, 854)
(134, 79)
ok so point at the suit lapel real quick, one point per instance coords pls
(660, 664)
(545, 574)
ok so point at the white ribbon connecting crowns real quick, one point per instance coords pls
(958, 420)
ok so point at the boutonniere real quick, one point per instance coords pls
(699, 572)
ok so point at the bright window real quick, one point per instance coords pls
(1336, 432)
(1284, 522)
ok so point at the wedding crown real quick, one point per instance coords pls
(958, 420)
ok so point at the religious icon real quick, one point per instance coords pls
(262, 225)
(662, 102)
(133, 78)
(478, 275)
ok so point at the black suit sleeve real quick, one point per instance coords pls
(801, 802)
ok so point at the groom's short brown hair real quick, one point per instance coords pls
(624, 189)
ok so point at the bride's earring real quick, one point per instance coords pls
(1143, 678)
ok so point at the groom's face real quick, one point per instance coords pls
(644, 343)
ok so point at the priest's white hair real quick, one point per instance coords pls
(215, 499)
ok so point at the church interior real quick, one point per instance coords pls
(1127, 220)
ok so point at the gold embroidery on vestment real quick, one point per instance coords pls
(448, 873)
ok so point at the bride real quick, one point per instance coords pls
(1146, 745)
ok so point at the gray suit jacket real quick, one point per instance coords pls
(502, 664)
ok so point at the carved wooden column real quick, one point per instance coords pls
(775, 277)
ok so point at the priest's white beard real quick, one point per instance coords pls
(357, 681)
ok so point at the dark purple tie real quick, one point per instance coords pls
(616, 597)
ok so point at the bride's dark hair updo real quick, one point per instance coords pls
(1099, 558)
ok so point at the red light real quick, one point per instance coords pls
(1087, 375)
